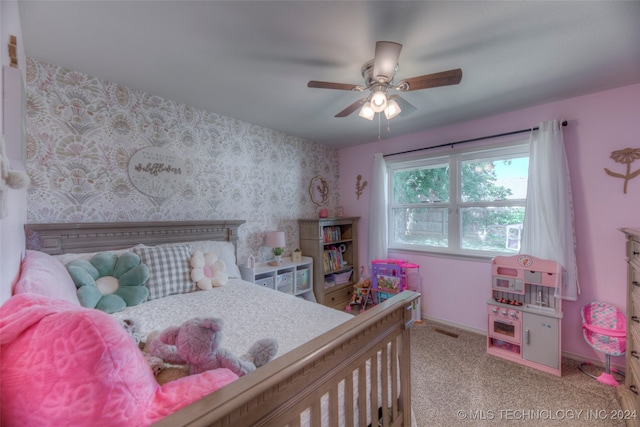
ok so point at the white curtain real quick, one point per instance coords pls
(378, 210)
(548, 231)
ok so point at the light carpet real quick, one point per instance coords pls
(456, 383)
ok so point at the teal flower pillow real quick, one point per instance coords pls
(110, 282)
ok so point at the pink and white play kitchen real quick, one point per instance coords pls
(524, 315)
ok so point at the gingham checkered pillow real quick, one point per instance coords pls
(168, 269)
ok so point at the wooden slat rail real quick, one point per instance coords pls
(277, 393)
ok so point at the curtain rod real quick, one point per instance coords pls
(451, 144)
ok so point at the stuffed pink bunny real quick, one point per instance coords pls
(197, 343)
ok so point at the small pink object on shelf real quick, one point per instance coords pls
(324, 213)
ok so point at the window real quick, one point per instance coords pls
(468, 202)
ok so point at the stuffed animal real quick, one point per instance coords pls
(9, 179)
(165, 372)
(132, 326)
(133, 329)
(207, 271)
(197, 343)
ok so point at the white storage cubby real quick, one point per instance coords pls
(290, 277)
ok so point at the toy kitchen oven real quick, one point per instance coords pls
(524, 316)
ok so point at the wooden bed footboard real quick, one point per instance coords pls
(323, 379)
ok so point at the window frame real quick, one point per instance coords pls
(454, 157)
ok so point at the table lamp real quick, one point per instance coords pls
(276, 241)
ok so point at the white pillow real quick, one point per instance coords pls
(67, 258)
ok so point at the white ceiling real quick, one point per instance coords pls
(251, 60)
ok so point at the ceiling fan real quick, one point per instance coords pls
(378, 75)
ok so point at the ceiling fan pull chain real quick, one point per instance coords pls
(379, 119)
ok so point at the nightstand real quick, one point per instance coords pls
(295, 278)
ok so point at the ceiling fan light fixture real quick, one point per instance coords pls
(392, 110)
(378, 101)
(366, 112)
(379, 76)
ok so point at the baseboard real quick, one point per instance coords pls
(568, 355)
(595, 362)
(455, 325)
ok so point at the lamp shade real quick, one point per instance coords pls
(366, 111)
(392, 110)
(378, 101)
(275, 239)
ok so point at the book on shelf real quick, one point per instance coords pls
(331, 234)
(332, 258)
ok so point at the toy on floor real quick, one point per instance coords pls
(604, 327)
(361, 293)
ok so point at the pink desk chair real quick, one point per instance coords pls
(604, 328)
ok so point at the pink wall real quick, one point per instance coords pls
(455, 291)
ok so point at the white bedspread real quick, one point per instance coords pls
(249, 312)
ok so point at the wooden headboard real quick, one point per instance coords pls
(98, 236)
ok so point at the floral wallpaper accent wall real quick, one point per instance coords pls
(82, 132)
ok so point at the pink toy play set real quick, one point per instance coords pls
(388, 278)
(392, 276)
(524, 316)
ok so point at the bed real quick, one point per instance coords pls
(322, 374)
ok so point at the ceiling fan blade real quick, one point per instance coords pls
(351, 108)
(330, 85)
(386, 60)
(405, 107)
(443, 78)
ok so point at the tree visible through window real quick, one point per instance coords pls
(467, 202)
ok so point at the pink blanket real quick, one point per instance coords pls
(62, 364)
